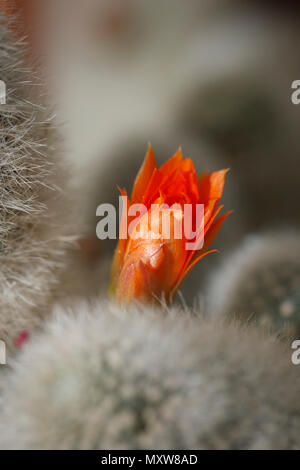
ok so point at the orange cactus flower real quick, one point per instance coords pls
(152, 265)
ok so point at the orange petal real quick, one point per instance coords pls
(153, 190)
(202, 177)
(143, 177)
(171, 165)
(217, 181)
(133, 284)
(192, 189)
(211, 229)
(211, 235)
(211, 186)
(207, 226)
(188, 165)
(208, 211)
(209, 238)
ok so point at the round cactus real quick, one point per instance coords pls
(100, 377)
(261, 282)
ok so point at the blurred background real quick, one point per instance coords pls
(211, 76)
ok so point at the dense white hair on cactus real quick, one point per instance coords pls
(32, 240)
(102, 377)
(259, 278)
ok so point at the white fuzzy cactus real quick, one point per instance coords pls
(32, 237)
(100, 377)
(260, 282)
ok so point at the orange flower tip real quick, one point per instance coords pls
(123, 192)
(179, 153)
(143, 176)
